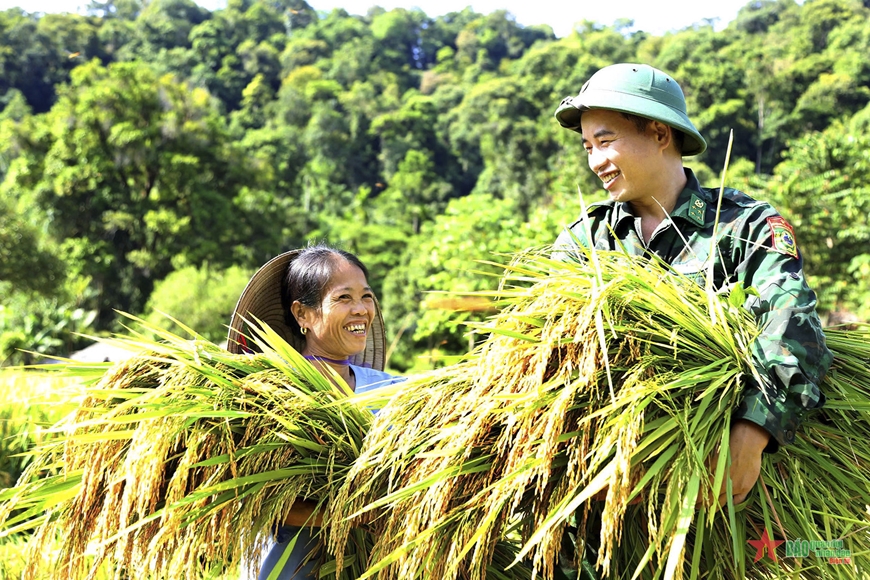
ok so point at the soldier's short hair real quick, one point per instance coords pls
(641, 123)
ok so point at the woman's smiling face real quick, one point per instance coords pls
(338, 329)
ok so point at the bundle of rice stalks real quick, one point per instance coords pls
(815, 494)
(600, 407)
(813, 499)
(179, 459)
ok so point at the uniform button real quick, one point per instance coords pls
(789, 435)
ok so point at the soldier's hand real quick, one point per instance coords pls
(746, 444)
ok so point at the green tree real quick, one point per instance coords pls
(33, 326)
(823, 188)
(256, 99)
(115, 9)
(415, 193)
(29, 263)
(38, 53)
(410, 128)
(757, 17)
(275, 155)
(166, 24)
(135, 173)
(502, 132)
(202, 298)
(397, 34)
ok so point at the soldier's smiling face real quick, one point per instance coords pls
(624, 158)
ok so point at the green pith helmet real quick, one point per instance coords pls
(638, 89)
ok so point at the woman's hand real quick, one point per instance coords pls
(302, 514)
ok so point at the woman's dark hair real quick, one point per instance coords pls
(307, 276)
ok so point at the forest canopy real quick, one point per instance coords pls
(152, 155)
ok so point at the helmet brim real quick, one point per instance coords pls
(571, 110)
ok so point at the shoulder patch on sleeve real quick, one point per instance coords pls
(782, 236)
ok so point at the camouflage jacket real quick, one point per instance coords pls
(756, 247)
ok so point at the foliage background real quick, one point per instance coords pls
(29, 404)
(153, 154)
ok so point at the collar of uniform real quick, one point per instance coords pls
(683, 209)
(692, 202)
(621, 213)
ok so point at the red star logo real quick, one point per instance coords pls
(765, 542)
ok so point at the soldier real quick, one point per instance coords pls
(635, 131)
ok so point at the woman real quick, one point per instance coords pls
(319, 300)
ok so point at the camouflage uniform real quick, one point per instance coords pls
(755, 246)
